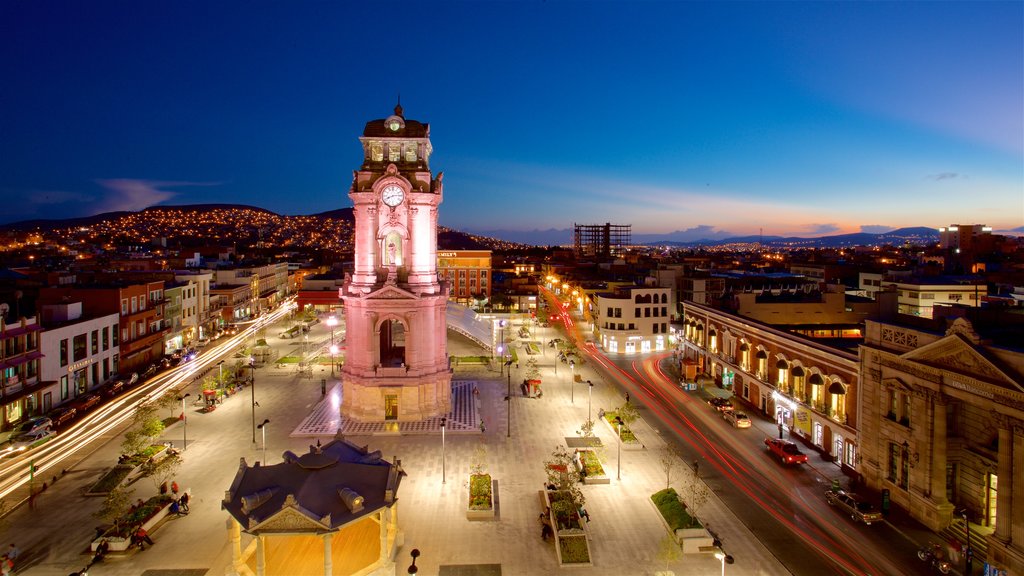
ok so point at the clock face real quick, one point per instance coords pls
(394, 125)
(392, 195)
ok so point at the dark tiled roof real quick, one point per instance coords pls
(413, 129)
(314, 481)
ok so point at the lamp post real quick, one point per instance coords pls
(724, 558)
(572, 382)
(590, 397)
(184, 423)
(618, 449)
(415, 553)
(252, 389)
(501, 346)
(332, 322)
(443, 422)
(220, 377)
(263, 427)
(508, 398)
(334, 354)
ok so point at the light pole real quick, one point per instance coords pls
(443, 422)
(508, 398)
(220, 377)
(590, 397)
(263, 427)
(572, 382)
(252, 389)
(724, 559)
(618, 448)
(501, 346)
(332, 322)
(334, 353)
(415, 553)
(184, 423)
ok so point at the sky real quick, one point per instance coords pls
(686, 119)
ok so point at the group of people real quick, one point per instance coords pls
(7, 560)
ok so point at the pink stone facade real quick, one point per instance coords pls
(397, 362)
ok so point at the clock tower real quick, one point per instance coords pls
(396, 365)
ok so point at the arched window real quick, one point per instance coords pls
(837, 398)
(799, 383)
(783, 376)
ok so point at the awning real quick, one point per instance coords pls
(11, 332)
(798, 371)
(836, 388)
(744, 347)
(816, 379)
(782, 364)
(762, 355)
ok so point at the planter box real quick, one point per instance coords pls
(694, 540)
(637, 445)
(122, 544)
(574, 537)
(601, 478)
(484, 513)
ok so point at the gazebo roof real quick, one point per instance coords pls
(322, 490)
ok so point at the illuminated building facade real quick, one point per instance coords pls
(632, 320)
(396, 367)
(468, 273)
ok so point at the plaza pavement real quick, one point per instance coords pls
(625, 530)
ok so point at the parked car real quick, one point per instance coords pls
(23, 442)
(858, 509)
(112, 389)
(737, 419)
(87, 401)
(721, 404)
(786, 450)
(34, 424)
(62, 415)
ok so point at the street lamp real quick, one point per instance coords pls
(332, 322)
(184, 423)
(263, 427)
(724, 558)
(590, 397)
(618, 448)
(572, 382)
(415, 553)
(220, 377)
(508, 398)
(252, 389)
(443, 422)
(501, 346)
(334, 353)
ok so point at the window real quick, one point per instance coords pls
(94, 342)
(647, 312)
(113, 333)
(927, 296)
(410, 153)
(124, 307)
(106, 338)
(394, 153)
(631, 326)
(79, 348)
(114, 363)
(64, 352)
(377, 152)
(135, 304)
(850, 455)
(664, 310)
(64, 390)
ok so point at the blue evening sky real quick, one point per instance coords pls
(715, 118)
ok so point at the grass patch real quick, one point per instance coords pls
(672, 510)
(574, 549)
(625, 434)
(480, 497)
(288, 360)
(472, 359)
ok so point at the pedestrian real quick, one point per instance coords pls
(954, 550)
(780, 430)
(175, 508)
(627, 397)
(183, 502)
(482, 428)
(585, 514)
(174, 486)
(142, 537)
(101, 551)
(696, 469)
(13, 552)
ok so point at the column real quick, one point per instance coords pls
(235, 538)
(261, 557)
(1016, 490)
(1004, 498)
(382, 519)
(328, 567)
(937, 484)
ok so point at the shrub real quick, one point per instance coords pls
(112, 479)
(672, 510)
(480, 492)
(591, 463)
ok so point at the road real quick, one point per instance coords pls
(784, 506)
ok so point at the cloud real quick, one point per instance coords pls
(875, 228)
(132, 195)
(49, 197)
(945, 176)
(823, 228)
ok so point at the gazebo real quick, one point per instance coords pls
(329, 512)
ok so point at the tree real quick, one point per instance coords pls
(532, 370)
(161, 470)
(169, 401)
(562, 472)
(668, 458)
(114, 506)
(146, 426)
(478, 464)
(694, 493)
(628, 413)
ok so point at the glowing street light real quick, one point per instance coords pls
(184, 423)
(332, 322)
(263, 427)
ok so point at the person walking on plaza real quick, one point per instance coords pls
(183, 502)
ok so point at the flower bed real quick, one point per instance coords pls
(151, 512)
(625, 435)
(571, 539)
(590, 467)
(574, 549)
(685, 529)
(481, 497)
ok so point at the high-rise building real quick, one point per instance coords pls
(396, 367)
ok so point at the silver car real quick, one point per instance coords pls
(858, 509)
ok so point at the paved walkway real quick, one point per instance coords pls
(625, 530)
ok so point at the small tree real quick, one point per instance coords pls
(628, 413)
(694, 492)
(669, 458)
(562, 472)
(146, 426)
(161, 470)
(114, 506)
(587, 429)
(169, 401)
(668, 551)
(532, 370)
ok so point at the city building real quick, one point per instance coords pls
(959, 238)
(20, 385)
(79, 352)
(942, 421)
(632, 319)
(468, 273)
(396, 367)
(808, 386)
(918, 295)
(601, 241)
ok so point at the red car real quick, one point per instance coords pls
(62, 415)
(786, 451)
